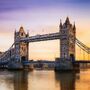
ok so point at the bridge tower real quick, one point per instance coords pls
(21, 47)
(67, 40)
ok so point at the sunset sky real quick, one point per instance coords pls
(40, 17)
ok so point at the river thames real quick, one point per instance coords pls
(44, 80)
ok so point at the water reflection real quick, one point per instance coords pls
(44, 80)
(20, 80)
(17, 80)
(66, 80)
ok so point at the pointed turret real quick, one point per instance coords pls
(15, 34)
(21, 30)
(67, 21)
(74, 27)
(15, 31)
(27, 34)
(21, 27)
(60, 26)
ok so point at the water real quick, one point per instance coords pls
(44, 80)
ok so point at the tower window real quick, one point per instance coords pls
(63, 32)
(21, 34)
(22, 48)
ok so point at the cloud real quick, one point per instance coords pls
(9, 5)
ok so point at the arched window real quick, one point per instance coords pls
(21, 34)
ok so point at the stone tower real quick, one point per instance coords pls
(21, 47)
(67, 40)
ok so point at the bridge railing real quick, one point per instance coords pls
(6, 55)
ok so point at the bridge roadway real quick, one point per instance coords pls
(52, 36)
(45, 37)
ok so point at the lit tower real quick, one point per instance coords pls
(67, 40)
(21, 47)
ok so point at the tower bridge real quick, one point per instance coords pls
(17, 55)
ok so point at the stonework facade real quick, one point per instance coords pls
(67, 40)
(21, 47)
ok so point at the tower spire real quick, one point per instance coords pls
(74, 27)
(60, 24)
(67, 20)
(15, 32)
(27, 33)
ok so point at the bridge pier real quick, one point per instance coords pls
(66, 65)
(67, 47)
